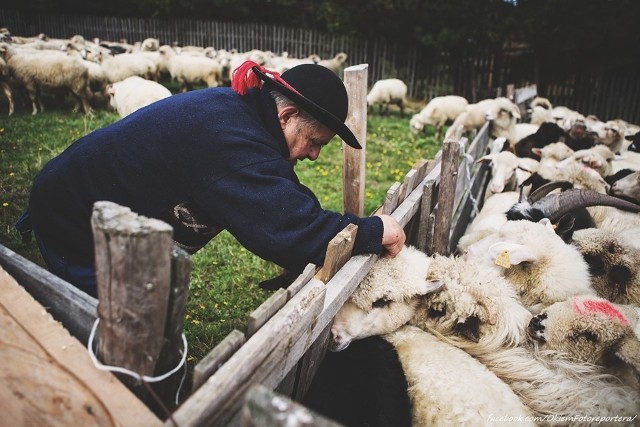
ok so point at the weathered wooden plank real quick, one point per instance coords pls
(264, 408)
(47, 375)
(392, 198)
(426, 203)
(408, 184)
(353, 170)
(310, 363)
(219, 398)
(448, 179)
(267, 309)
(73, 308)
(133, 273)
(338, 252)
(301, 280)
(209, 364)
(171, 353)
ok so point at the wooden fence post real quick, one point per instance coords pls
(353, 167)
(447, 193)
(133, 273)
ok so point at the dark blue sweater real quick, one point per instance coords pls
(202, 161)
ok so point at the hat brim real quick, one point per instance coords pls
(319, 113)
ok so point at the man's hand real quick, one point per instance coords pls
(393, 236)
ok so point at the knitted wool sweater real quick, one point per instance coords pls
(201, 161)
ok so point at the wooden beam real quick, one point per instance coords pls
(217, 357)
(47, 375)
(75, 309)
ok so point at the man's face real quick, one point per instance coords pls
(304, 141)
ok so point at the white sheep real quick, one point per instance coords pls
(508, 171)
(539, 264)
(437, 113)
(388, 91)
(54, 70)
(133, 93)
(336, 63)
(592, 330)
(191, 70)
(432, 366)
(119, 67)
(502, 111)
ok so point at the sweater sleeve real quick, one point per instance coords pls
(274, 216)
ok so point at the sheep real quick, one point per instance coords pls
(535, 260)
(431, 367)
(119, 67)
(438, 112)
(507, 171)
(627, 187)
(150, 45)
(565, 117)
(540, 101)
(336, 63)
(190, 70)
(634, 145)
(593, 158)
(489, 220)
(4, 84)
(614, 136)
(364, 385)
(613, 266)
(592, 330)
(133, 93)
(546, 134)
(502, 111)
(388, 91)
(405, 279)
(48, 71)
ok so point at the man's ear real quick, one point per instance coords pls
(286, 113)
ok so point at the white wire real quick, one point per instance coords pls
(125, 371)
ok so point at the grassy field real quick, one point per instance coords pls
(223, 288)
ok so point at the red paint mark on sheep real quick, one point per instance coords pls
(584, 307)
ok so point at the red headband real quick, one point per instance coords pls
(242, 80)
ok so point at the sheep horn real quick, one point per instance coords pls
(547, 188)
(555, 206)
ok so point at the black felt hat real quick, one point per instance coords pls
(314, 88)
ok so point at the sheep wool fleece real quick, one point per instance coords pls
(202, 161)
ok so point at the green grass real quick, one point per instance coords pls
(223, 288)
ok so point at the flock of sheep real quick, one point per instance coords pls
(129, 76)
(535, 319)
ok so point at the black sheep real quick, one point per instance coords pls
(362, 386)
(546, 134)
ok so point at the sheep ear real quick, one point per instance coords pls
(547, 225)
(486, 159)
(430, 286)
(629, 353)
(507, 254)
(536, 151)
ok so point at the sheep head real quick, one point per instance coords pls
(612, 265)
(385, 299)
(589, 329)
(476, 308)
(535, 260)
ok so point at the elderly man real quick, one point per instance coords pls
(205, 161)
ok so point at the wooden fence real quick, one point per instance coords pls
(475, 74)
